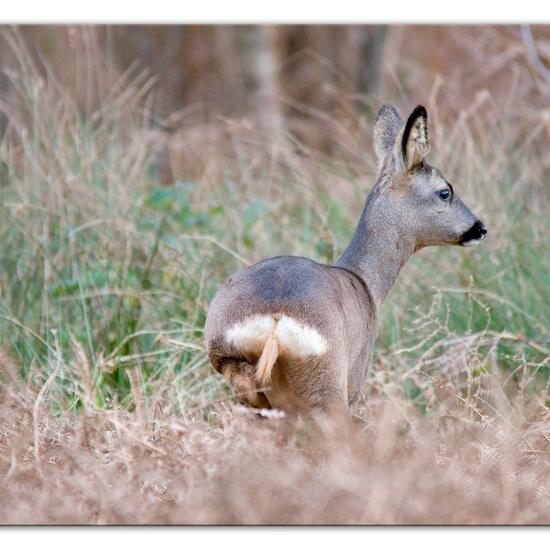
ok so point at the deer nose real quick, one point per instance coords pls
(474, 235)
(478, 230)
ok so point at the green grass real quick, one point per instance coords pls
(95, 249)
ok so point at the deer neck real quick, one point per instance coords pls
(378, 249)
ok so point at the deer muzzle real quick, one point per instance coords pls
(474, 235)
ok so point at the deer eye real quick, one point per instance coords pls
(444, 194)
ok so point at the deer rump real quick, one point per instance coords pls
(280, 332)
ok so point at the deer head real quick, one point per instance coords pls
(411, 194)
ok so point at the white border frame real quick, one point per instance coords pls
(280, 11)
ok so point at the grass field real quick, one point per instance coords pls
(110, 411)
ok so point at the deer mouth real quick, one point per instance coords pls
(474, 235)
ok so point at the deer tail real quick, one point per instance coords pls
(267, 359)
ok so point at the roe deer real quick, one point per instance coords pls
(294, 334)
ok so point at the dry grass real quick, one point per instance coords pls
(395, 467)
(109, 410)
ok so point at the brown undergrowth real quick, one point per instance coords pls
(390, 465)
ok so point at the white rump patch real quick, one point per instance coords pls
(251, 334)
(293, 337)
(300, 338)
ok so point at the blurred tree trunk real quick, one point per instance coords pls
(371, 50)
(392, 53)
(260, 64)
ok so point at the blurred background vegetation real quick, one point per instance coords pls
(142, 165)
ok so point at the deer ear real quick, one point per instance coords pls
(415, 141)
(386, 129)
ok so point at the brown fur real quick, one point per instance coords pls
(241, 378)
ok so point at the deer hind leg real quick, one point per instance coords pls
(319, 385)
(241, 378)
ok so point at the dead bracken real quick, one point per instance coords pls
(391, 466)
